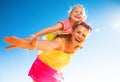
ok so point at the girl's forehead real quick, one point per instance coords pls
(77, 7)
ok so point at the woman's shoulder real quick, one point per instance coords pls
(60, 41)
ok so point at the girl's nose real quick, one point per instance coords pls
(78, 13)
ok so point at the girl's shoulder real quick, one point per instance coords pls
(67, 28)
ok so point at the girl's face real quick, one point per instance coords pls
(77, 14)
(79, 35)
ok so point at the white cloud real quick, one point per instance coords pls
(112, 17)
(97, 30)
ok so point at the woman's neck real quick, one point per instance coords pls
(69, 46)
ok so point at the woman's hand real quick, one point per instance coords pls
(16, 42)
(13, 41)
(11, 47)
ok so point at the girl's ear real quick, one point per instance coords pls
(83, 18)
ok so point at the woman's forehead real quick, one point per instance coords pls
(82, 29)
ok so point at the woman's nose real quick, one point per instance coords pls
(81, 36)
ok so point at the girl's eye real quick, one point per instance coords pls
(78, 32)
(76, 11)
(81, 13)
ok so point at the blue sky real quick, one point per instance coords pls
(98, 61)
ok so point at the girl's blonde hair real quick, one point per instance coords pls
(78, 5)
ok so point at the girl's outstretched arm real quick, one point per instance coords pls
(48, 30)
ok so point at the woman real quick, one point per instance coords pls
(55, 54)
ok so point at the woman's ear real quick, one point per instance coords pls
(81, 46)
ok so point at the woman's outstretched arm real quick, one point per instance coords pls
(16, 42)
(43, 45)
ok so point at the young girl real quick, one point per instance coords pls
(55, 55)
(76, 15)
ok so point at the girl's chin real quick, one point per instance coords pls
(77, 19)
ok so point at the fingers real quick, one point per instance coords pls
(19, 42)
(7, 40)
(10, 47)
(15, 40)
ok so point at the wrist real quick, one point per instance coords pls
(31, 37)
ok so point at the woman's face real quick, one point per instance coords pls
(79, 35)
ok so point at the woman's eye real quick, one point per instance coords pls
(83, 35)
